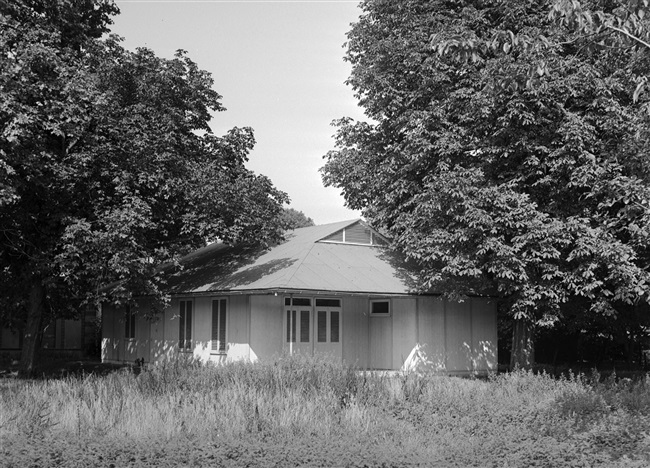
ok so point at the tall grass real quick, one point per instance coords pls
(315, 412)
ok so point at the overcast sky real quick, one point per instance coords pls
(279, 67)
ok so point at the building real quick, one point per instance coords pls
(330, 289)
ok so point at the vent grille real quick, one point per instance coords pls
(357, 233)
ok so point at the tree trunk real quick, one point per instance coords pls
(523, 345)
(32, 329)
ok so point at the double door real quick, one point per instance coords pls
(313, 325)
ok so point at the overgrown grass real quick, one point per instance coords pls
(300, 411)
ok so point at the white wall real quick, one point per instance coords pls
(266, 313)
(457, 338)
(449, 337)
(354, 320)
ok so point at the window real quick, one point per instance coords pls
(298, 301)
(291, 326)
(185, 326)
(328, 316)
(380, 307)
(328, 302)
(304, 326)
(334, 326)
(322, 326)
(219, 310)
(298, 319)
(129, 323)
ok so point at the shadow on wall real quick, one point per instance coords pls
(477, 362)
(223, 267)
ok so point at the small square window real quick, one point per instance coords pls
(380, 307)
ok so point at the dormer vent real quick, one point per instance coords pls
(358, 234)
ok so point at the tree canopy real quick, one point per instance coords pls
(506, 149)
(108, 166)
(294, 219)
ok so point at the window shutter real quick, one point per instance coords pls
(334, 327)
(132, 324)
(215, 326)
(181, 326)
(188, 326)
(127, 322)
(291, 326)
(222, 327)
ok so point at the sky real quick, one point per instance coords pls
(279, 67)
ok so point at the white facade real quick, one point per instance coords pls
(369, 332)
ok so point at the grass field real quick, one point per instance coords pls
(312, 412)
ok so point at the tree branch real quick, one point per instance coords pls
(631, 36)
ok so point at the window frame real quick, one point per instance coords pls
(328, 309)
(380, 314)
(186, 339)
(222, 346)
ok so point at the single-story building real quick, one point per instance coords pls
(332, 289)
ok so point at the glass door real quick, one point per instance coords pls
(298, 335)
(328, 327)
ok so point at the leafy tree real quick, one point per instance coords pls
(506, 154)
(294, 219)
(108, 167)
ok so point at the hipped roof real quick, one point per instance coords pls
(303, 262)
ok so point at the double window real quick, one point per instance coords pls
(326, 325)
(185, 326)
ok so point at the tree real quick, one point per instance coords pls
(294, 219)
(108, 167)
(506, 154)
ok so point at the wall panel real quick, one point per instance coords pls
(238, 328)
(354, 321)
(484, 334)
(458, 327)
(431, 331)
(266, 326)
(405, 329)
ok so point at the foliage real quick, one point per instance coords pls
(108, 166)
(294, 219)
(506, 151)
(290, 412)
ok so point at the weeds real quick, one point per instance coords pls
(312, 411)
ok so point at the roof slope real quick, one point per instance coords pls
(299, 263)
